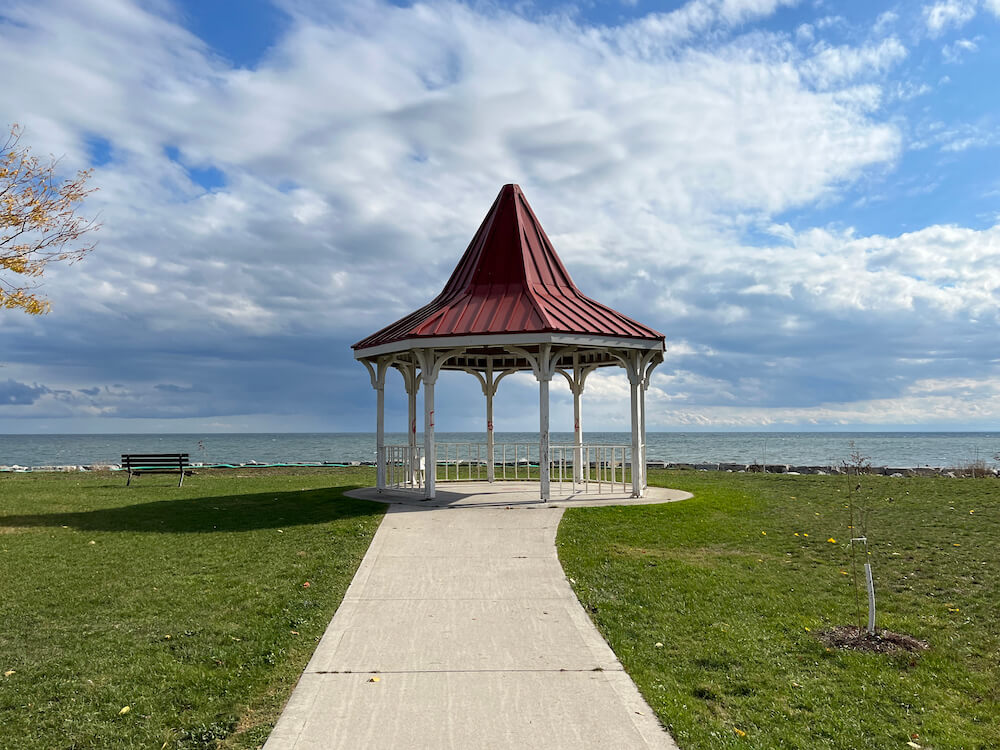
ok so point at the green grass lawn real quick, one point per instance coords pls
(736, 593)
(187, 606)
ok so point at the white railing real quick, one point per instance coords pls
(601, 469)
(516, 460)
(404, 467)
(461, 458)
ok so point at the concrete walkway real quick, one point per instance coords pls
(460, 630)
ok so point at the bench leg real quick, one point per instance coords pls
(181, 482)
(129, 482)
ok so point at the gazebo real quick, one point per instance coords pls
(510, 306)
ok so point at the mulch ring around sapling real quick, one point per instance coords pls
(879, 642)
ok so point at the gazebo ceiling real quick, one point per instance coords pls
(510, 291)
(498, 359)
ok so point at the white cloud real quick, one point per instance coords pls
(948, 14)
(953, 53)
(399, 124)
(993, 6)
(834, 65)
(957, 138)
(885, 21)
(647, 34)
(360, 154)
(951, 401)
(680, 399)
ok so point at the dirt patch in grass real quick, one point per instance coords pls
(880, 642)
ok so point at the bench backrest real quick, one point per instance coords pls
(155, 460)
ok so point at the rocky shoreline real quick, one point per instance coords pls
(889, 471)
(790, 469)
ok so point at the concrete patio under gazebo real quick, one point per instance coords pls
(510, 306)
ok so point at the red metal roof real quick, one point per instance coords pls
(510, 280)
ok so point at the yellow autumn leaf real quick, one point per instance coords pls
(9, 672)
(125, 710)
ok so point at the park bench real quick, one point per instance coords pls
(155, 463)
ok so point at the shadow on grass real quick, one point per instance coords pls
(266, 510)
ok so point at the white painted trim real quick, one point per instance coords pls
(504, 339)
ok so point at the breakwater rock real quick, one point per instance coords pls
(976, 470)
(889, 471)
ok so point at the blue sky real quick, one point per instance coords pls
(802, 196)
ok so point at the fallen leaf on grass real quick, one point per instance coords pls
(9, 672)
(911, 743)
(306, 585)
(739, 732)
(831, 540)
(125, 710)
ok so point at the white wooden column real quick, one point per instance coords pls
(412, 386)
(577, 388)
(635, 385)
(578, 473)
(543, 443)
(377, 374)
(430, 458)
(490, 390)
(642, 429)
(380, 436)
(649, 364)
(544, 368)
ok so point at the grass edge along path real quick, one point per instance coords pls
(157, 616)
(714, 604)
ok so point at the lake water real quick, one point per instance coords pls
(899, 449)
